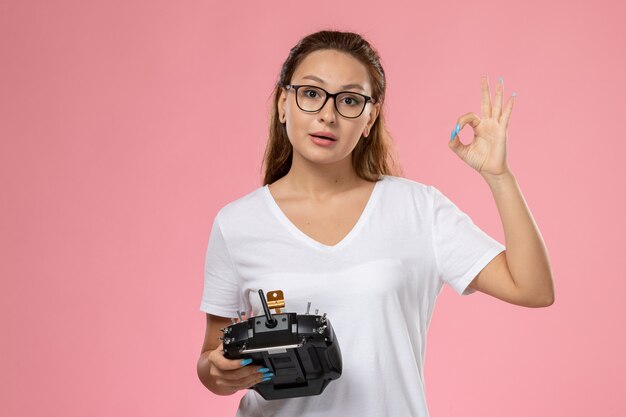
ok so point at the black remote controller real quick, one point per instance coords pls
(300, 349)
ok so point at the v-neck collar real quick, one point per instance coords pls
(371, 202)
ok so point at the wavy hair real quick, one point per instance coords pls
(373, 155)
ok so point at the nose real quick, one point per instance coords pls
(327, 112)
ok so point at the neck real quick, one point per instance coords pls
(320, 181)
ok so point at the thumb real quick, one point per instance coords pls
(455, 141)
(225, 364)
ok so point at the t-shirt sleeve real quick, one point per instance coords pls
(220, 295)
(461, 248)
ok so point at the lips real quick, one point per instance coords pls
(324, 135)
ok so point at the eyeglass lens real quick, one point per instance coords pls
(348, 104)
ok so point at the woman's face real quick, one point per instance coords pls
(330, 70)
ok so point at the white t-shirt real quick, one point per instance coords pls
(378, 287)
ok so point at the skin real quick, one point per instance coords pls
(520, 275)
(320, 172)
(320, 184)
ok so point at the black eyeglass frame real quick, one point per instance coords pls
(329, 95)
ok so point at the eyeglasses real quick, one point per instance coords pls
(310, 98)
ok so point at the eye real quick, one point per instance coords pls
(352, 100)
(307, 91)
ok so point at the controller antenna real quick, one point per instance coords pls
(269, 320)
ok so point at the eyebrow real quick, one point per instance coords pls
(314, 78)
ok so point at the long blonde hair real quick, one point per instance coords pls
(373, 155)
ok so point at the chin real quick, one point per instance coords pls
(323, 156)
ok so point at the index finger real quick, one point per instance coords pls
(486, 102)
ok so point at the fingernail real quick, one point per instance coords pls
(500, 79)
(458, 127)
(514, 94)
(267, 375)
(263, 370)
(266, 379)
(246, 361)
(452, 135)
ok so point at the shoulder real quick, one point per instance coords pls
(400, 186)
(242, 208)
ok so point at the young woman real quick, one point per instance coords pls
(335, 225)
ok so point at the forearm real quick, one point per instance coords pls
(526, 253)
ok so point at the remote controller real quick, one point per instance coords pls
(300, 349)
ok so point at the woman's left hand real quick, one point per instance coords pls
(487, 152)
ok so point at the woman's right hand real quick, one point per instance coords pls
(230, 375)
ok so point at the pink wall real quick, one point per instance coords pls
(126, 125)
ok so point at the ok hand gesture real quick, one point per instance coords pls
(487, 151)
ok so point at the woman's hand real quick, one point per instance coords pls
(231, 375)
(487, 152)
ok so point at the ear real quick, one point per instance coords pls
(372, 119)
(281, 105)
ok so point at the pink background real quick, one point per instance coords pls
(126, 125)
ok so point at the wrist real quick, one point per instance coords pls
(499, 179)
